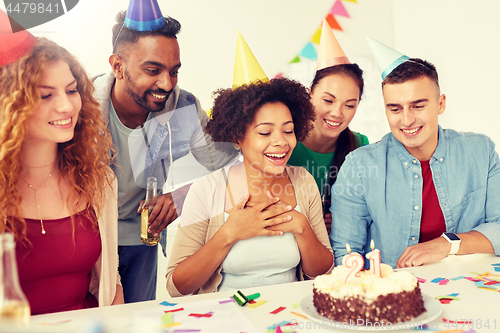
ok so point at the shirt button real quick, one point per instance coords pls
(414, 161)
(413, 238)
(406, 163)
(441, 159)
(416, 207)
(416, 176)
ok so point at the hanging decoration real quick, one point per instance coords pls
(309, 51)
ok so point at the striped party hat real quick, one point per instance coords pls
(387, 58)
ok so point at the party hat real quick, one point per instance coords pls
(387, 58)
(13, 45)
(144, 15)
(246, 67)
(330, 53)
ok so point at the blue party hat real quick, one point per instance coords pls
(387, 58)
(144, 15)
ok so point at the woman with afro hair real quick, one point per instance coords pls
(259, 222)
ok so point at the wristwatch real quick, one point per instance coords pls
(454, 240)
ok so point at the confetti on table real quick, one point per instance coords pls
(200, 315)
(227, 301)
(458, 278)
(298, 314)
(256, 305)
(497, 268)
(169, 325)
(168, 304)
(437, 280)
(57, 323)
(472, 279)
(497, 264)
(448, 297)
(282, 323)
(166, 318)
(490, 283)
(443, 282)
(278, 310)
(481, 284)
(444, 300)
(186, 331)
(174, 310)
(421, 280)
(295, 305)
(456, 321)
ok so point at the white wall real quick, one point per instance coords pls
(462, 39)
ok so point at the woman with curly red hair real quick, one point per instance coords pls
(258, 222)
(57, 191)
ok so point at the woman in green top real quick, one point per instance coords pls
(335, 94)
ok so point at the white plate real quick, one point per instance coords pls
(432, 305)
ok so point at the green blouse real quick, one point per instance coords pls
(318, 164)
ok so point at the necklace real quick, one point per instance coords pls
(36, 194)
(39, 167)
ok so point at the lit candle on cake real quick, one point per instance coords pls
(353, 261)
(374, 257)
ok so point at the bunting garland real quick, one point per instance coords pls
(309, 51)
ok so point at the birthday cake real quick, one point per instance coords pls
(368, 298)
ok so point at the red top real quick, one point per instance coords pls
(55, 272)
(432, 223)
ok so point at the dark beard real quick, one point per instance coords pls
(130, 89)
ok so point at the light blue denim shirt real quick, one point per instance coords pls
(378, 194)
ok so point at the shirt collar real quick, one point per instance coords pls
(407, 159)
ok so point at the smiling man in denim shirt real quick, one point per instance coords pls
(153, 123)
(422, 192)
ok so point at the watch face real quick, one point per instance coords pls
(451, 236)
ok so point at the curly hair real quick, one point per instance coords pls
(84, 160)
(235, 109)
(124, 37)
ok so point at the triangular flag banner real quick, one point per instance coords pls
(295, 60)
(246, 66)
(316, 38)
(309, 52)
(332, 22)
(339, 9)
(387, 58)
(278, 76)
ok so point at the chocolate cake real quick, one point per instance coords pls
(395, 297)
